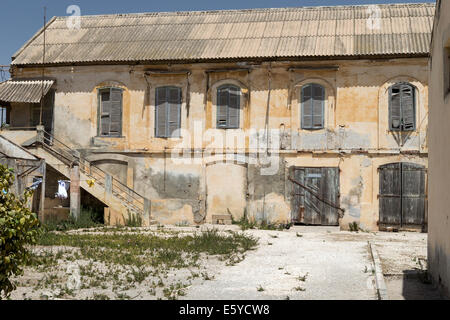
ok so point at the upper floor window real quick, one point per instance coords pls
(402, 109)
(312, 103)
(4, 116)
(228, 106)
(168, 111)
(110, 112)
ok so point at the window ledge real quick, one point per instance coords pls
(109, 137)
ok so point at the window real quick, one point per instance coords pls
(4, 116)
(402, 111)
(228, 106)
(312, 101)
(110, 119)
(168, 111)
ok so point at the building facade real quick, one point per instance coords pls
(439, 226)
(309, 115)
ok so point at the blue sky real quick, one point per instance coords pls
(22, 18)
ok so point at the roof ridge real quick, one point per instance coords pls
(243, 11)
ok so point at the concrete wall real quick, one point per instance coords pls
(356, 137)
(439, 173)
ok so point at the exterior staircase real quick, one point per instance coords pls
(105, 187)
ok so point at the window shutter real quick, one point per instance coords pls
(407, 107)
(395, 108)
(307, 107)
(233, 107)
(222, 106)
(161, 112)
(318, 101)
(174, 95)
(105, 112)
(115, 128)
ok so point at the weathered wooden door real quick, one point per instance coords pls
(315, 190)
(402, 194)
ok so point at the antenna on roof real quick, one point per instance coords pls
(43, 69)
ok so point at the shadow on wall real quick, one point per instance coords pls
(417, 286)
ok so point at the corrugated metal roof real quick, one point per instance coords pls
(24, 91)
(395, 29)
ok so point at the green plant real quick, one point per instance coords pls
(18, 227)
(302, 278)
(133, 220)
(299, 288)
(89, 218)
(353, 226)
(245, 223)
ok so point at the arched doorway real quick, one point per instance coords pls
(402, 195)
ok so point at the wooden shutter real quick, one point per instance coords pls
(110, 112)
(318, 101)
(395, 112)
(233, 107)
(115, 128)
(161, 112)
(307, 107)
(402, 107)
(105, 112)
(174, 109)
(408, 110)
(222, 107)
(390, 194)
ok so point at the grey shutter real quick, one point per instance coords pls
(161, 112)
(413, 194)
(390, 201)
(222, 107)
(105, 112)
(174, 118)
(407, 107)
(395, 108)
(318, 101)
(307, 107)
(115, 128)
(233, 107)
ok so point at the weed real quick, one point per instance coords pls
(100, 296)
(133, 220)
(353, 226)
(206, 276)
(260, 289)
(299, 289)
(302, 278)
(123, 296)
(89, 218)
